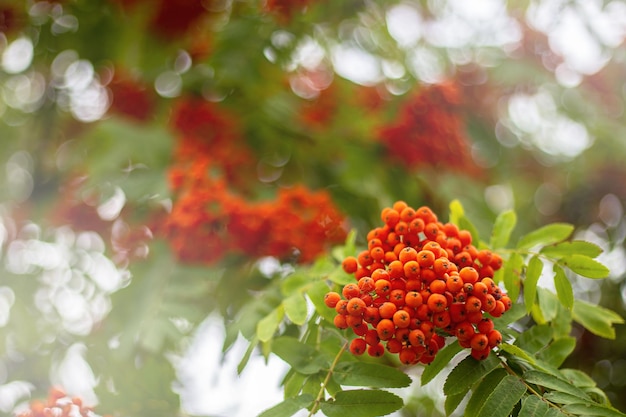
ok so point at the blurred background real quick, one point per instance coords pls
(162, 160)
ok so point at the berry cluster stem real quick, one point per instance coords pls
(320, 394)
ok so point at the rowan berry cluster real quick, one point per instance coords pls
(418, 282)
(58, 404)
(428, 131)
(214, 210)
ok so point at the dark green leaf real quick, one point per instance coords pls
(533, 272)
(589, 409)
(502, 228)
(442, 359)
(452, 402)
(564, 290)
(585, 266)
(296, 308)
(362, 403)
(533, 406)
(288, 407)
(578, 378)
(467, 373)
(557, 351)
(552, 382)
(558, 397)
(301, 357)
(496, 395)
(579, 247)
(535, 338)
(546, 235)
(370, 375)
(598, 320)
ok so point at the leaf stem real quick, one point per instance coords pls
(320, 394)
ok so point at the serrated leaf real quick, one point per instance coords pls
(557, 351)
(578, 378)
(564, 290)
(267, 326)
(300, 356)
(533, 406)
(589, 409)
(585, 266)
(288, 407)
(370, 375)
(467, 373)
(533, 272)
(598, 320)
(502, 228)
(496, 395)
(580, 247)
(512, 275)
(296, 309)
(518, 352)
(362, 403)
(558, 397)
(452, 402)
(546, 235)
(442, 359)
(553, 383)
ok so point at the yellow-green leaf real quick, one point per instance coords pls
(546, 235)
(502, 228)
(585, 266)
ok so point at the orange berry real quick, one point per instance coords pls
(496, 261)
(437, 286)
(442, 319)
(479, 341)
(495, 338)
(484, 256)
(468, 274)
(454, 283)
(480, 355)
(379, 274)
(464, 331)
(366, 284)
(397, 297)
(358, 346)
(382, 287)
(425, 258)
(396, 269)
(411, 270)
(407, 254)
(394, 345)
(465, 237)
(387, 310)
(437, 302)
(385, 329)
(416, 226)
(485, 325)
(401, 319)
(463, 259)
(376, 350)
(340, 321)
(356, 307)
(364, 258)
(350, 264)
(426, 214)
(331, 298)
(351, 291)
(473, 304)
(413, 299)
(407, 214)
(371, 337)
(417, 337)
(355, 322)
(489, 303)
(457, 312)
(408, 356)
(371, 315)
(498, 309)
(342, 307)
(399, 206)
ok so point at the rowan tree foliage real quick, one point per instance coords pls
(437, 187)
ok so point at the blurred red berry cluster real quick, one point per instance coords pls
(214, 212)
(428, 131)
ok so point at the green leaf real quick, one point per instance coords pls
(589, 409)
(548, 303)
(546, 235)
(563, 287)
(557, 351)
(533, 272)
(578, 378)
(598, 320)
(467, 373)
(535, 338)
(466, 224)
(362, 403)
(573, 247)
(533, 406)
(316, 293)
(496, 395)
(301, 357)
(296, 309)
(558, 397)
(289, 407)
(456, 211)
(553, 383)
(518, 352)
(512, 274)
(267, 326)
(370, 375)
(246, 357)
(585, 266)
(339, 276)
(452, 402)
(442, 359)
(502, 228)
